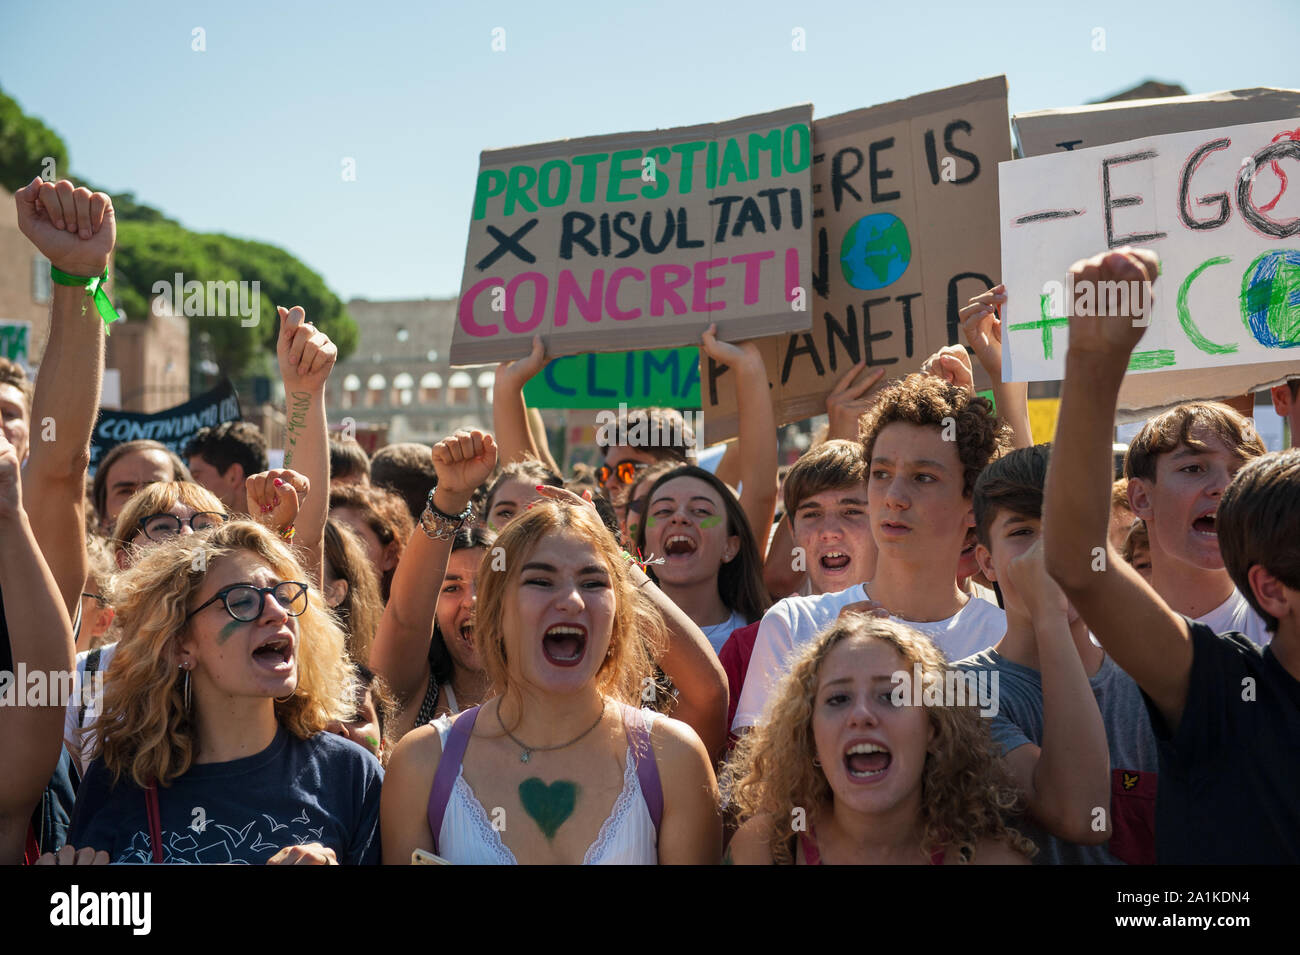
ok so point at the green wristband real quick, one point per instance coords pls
(94, 287)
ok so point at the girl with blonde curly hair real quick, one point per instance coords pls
(560, 748)
(213, 743)
(837, 773)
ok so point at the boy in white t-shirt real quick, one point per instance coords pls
(925, 443)
(1177, 468)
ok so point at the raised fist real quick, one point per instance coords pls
(74, 228)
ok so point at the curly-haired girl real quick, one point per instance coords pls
(837, 773)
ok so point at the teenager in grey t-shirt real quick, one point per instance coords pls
(1133, 759)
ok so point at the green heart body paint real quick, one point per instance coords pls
(713, 520)
(649, 522)
(548, 805)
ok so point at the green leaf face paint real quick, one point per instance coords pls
(548, 805)
(713, 520)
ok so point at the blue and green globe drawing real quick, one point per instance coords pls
(876, 251)
(1270, 299)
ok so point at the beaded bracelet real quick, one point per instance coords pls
(288, 533)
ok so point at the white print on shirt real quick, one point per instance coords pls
(213, 843)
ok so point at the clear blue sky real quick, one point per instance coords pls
(248, 137)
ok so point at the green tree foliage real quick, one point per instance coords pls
(152, 253)
(152, 248)
(25, 142)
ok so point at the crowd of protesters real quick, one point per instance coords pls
(929, 641)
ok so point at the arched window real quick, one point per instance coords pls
(403, 389)
(460, 384)
(375, 388)
(351, 385)
(430, 388)
(485, 381)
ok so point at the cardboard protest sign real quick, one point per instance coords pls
(639, 240)
(1051, 131)
(1213, 204)
(172, 426)
(904, 233)
(667, 378)
(15, 341)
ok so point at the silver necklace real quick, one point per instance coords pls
(529, 750)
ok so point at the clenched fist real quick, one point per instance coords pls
(74, 228)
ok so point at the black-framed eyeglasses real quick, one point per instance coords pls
(626, 471)
(244, 602)
(161, 527)
(99, 597)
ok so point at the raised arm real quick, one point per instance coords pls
(306, 356)
(76, 231)
(1147, 639)
(510, 414)
(40, 638)
(757, 432)
(1069, 776)
(400, 653)
(982, 327)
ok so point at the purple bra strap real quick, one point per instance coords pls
(647, 769)
(453, 754)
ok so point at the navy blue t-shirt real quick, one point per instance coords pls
(1230, 775)
(324, 789)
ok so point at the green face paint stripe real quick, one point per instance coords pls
(1185, 314)
(228, 631)
(711, 521)
(548, 805)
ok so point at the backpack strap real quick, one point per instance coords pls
(453, 754)
(647, 768)
(92, 667)
(155, 821)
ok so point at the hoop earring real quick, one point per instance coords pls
(289, 697)
(817, 762)
(185, 691)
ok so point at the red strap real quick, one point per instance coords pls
(809, 842)
(155, 821)
(32, 852)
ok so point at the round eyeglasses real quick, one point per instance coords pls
(161, 527)
(244, 602)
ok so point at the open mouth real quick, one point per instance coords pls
(835, 560)
(564, 645)
(274, 653)
(679, 545)
(467, 631)
(866, 760)
(1205, 525)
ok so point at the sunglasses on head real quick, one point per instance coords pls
(626, 471)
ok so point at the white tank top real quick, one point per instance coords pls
(627, 836)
